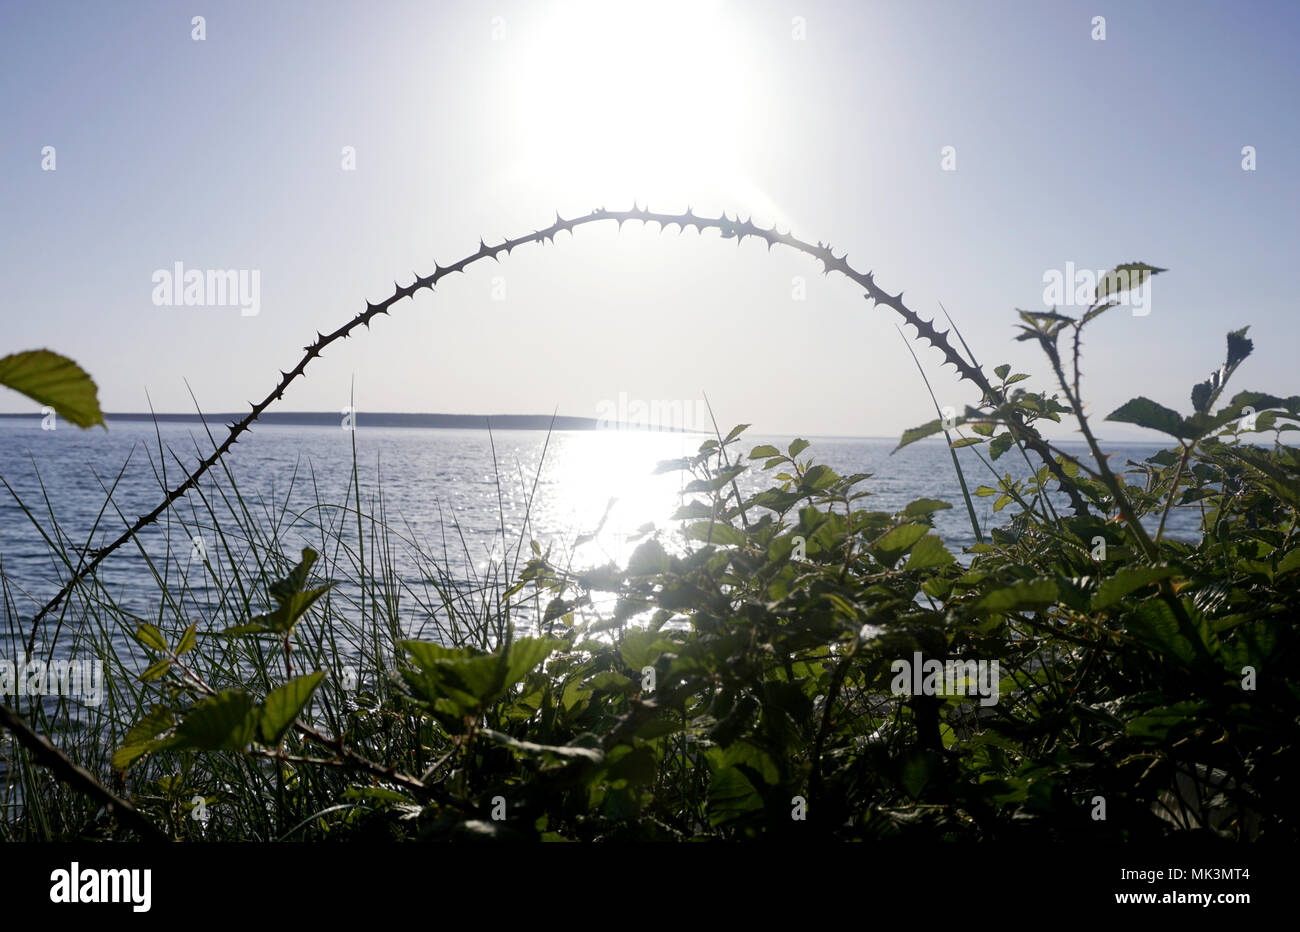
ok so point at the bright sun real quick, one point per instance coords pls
(624, 99)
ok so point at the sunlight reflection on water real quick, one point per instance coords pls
(591, 493)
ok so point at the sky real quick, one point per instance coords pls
(328, 149)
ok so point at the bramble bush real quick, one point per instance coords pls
(741, 686)
(738, 680)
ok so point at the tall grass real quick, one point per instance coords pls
(389, 584)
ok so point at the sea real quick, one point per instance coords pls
(461, 505)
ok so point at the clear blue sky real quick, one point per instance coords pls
(226, 154)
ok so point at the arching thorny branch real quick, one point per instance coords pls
(728, 227)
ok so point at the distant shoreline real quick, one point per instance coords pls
(479, 422)
(387, 419)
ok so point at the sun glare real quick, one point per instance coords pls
(644, 99)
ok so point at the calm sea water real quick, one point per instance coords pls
(447, 492)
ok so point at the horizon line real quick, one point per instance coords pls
(444, 421)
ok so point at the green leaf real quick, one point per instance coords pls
(648, 559)
(524, 655)
(1204, 394)
(1236, 408)
(224, 722)
(284, 704)
(1289, 563)
(1146, 413)
(150, 636)
(896, 542)
(562, 752)
(796, 447)
(1124, 278)
(1157, 723)
(928, 552)
(1153, 623)
(462, 677)
(293, 598)
(1001, 444)
(453, 682)
(1023, 594)
(735, 432)
(641, 647)
(740, 773)
(188, 639)
(929, 428)
(675, 465)
(692, 510)
(721, 533)
(924, 506)
(56, 381)
(254, 627)
(156, 671)
(762, 450)
(1127, 581)
(1239, 347)
(140, 738)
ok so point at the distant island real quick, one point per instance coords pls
(390, 419)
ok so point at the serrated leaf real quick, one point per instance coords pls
(927, 553)
(224, 722)
(1126, 581)
(929, 428)
(140, 738)
(566, 752)
(1239, 347)
(54, 380)
(1124, 278)
(155, 671)
(150, 636)
(896, 542)
(715, 532)
(1023, 594)
(1146, 413)
(924, 506)
(284, 704)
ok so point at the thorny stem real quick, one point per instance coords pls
(1173, 490)
(728, 227)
